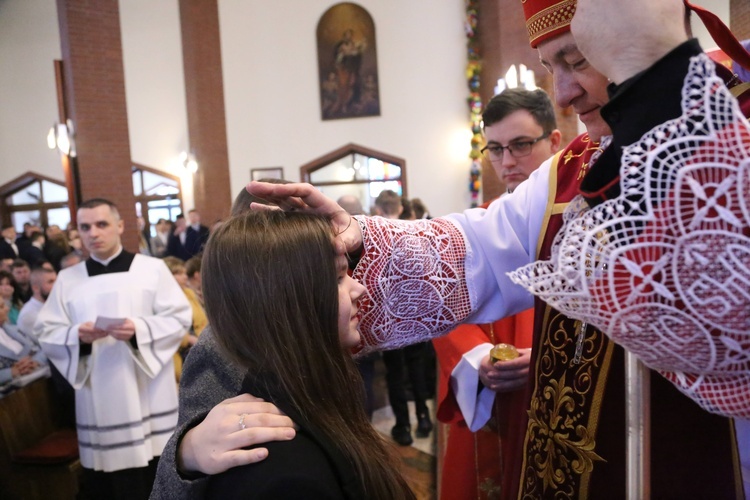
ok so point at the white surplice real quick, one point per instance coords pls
(126, 398)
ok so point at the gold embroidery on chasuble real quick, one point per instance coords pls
(586, 152)
(559, 449)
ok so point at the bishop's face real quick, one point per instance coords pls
(577, 83)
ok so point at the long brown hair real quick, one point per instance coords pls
(271, 294)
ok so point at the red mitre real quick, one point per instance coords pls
(547, 18)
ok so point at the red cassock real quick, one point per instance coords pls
(481, 465)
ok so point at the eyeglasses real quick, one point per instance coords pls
(516, 149)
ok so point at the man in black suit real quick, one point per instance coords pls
(33, 251)
(196, 234)
(8, 247)
(176, 243)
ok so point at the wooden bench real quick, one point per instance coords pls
(28, 417)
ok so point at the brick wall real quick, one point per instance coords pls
(204, 92)
(95, 101)
(739, 14)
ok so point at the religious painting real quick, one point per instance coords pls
(347, 63)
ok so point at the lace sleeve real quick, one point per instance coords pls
(414, 272)
(664, 268)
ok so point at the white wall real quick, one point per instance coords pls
(29, 43)
(271, 89)
(718, 7)
(155, 87)
(273, 106)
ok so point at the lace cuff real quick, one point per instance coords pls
(414, 272)
(664, 269)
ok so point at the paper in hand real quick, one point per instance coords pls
(104, 323)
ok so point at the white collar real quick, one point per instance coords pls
(107, 261)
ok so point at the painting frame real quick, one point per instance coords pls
(257, 174)
(348, 75)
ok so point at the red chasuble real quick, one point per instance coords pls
(576, 436)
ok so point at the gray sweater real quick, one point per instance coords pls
(207, 379)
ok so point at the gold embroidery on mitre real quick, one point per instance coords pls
(550, 19)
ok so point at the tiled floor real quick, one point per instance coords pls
(383, 421)
(419, 458)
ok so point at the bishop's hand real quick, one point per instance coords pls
(305, 197)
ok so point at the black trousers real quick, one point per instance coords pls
(126, 484)
(411, 361)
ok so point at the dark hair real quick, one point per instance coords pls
(536, 102)
(16, 297)
(35, 236)
(174, 263)
(179, 216)
(193, 265)
(97, 202)
(388, 202)
(271, 295)
(419, 209)
(244, 199)
(407, 212)
(19, 263)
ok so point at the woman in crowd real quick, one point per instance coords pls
(19, 354)
(177, 267)
(284, 309)
(11, 296)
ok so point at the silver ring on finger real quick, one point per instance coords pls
(242, 422)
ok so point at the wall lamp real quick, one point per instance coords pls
(188, 162)
(61, 136)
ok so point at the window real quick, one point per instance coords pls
(356, 170)
(158, 192)
(34, 198)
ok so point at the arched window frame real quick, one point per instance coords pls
(307, 170)
(20, 183)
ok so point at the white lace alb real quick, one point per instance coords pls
(664, 269)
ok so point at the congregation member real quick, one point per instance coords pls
(177, 242)
(336, 453)
(41, 281)
(33, 251)
(24, 238)
(22, 276)
(56, 245)
(420, 210)
(74, 240)
(521, 133)
(199, 322)
(19, 354)
(351, 204)
(196, 234)
(8, 247)
(6, 264)
(194, 277)
(111, 326)
(10, 295)
(159, 242)
(187, 240)
(69, 260)
(409, 361)
(574, 443)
